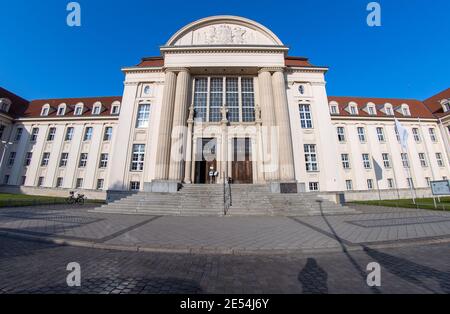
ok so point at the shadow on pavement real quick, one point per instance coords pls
(313, 278)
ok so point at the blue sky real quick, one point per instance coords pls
(407, 57)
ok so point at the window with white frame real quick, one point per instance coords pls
(386, 160)
(388, 110)
(69, 134)
(432, 132)
(341, 134)
(12, 159)
(88, 134)
(397, 135)
(405, 160)
(28, 157)
(45, 159)
(410, 182)
(100, 184)
(428, 179)
(334, 109)
(390, 182)
(248, 99)
(61, 110)
(361, 134)
(143, 116)
(380, 134)
(78, 110)
(439, 160)
(232, 98)
(45, 110)
(79, 184)
(63, 160)
(405, 110)
(345, 161)
(416, 135)
(59, 182)
(40, 181)
(108, 134)
(23, 180)
(353, 110)
(372, 111)
(6, 179)
(138, 157)
(366, 161)
(135, 186)
(311, 158)
(349, 185)
(370, 184)
(103, 161)
(305, 116)
(314, 186)
(423, 160)
(34, 134)
(19, 133)
(83, 160)
(215, 99)
(51, 134)
(115, 108)
(97, 109)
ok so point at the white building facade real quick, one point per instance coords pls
(224, 98)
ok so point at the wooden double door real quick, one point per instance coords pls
(242, 165)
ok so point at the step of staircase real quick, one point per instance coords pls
(208, 200)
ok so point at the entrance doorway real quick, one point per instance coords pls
(242, 165)
(206, 157)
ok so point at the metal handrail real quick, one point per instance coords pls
(227, 202)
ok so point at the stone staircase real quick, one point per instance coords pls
(207, 200)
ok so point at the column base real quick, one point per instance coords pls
(284, 187)
(162, 186)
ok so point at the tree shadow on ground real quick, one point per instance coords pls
(313, 278)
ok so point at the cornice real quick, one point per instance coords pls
(307, 69)
(58, 119)
(415, 120)
(221, 49)
(143, 70)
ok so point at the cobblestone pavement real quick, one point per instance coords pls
(374, 225)
(33, 267)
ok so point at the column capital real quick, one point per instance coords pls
(271, 69)
(176, 69)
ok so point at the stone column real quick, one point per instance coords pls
(287, 172)
(179, 134)
(165, 128)
(269, 142)
(189, 158)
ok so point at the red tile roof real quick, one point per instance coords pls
(35, 107)
(151, 62)
(18, 106)
(434, 103)
(417, 108)
(297, 62)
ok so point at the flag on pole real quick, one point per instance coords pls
(402, 133)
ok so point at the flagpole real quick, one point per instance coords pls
(408, 173)
(403, 136)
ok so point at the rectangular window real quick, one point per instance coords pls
(34, 134)
(51, 134)
(138, 157)
(96, 110)
(59, 182)
(428, 179)
(390, 183)
(88, 134)
(23, 180)
(12, 159)
(416, 135)
(439, 160)
(103, 161)
(232, 101)
(349, 185)
(40, 181)
(69, 134)
(380, 135)
(28, 157)
(108, 134)
(6, 179)
(311, 158)
(201, 98)
(79, 184)
(405, 160)
(353, 110)
(61, 111)
(248, 100)
(305, 116)
(45, 159)
(314, 186)
(2, 130)
(115, 110)
(215, 99)
(369, 184)
(333, 109)
(143, 116)
(423, 160)
(366, 161)
(83, 160)
(135, 186)
(100, 184)
(78, 111)
(397, 135)
(19, 133)
(410, 182)
(345, 161)
(386, 160)
(432, 135)
(341, 134)
(63, 160)
(361, 134)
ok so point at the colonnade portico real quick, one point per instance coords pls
(269, 135)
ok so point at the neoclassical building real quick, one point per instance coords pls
(223, 98)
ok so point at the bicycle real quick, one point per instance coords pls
(79, 199)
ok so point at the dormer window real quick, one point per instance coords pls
(446, 105)
(5, 104)
(45, 110)
(78, 109)
(115, 108)
(388, 109)
(97, 108)
(353, 108)
(334, 108)
(61, 110)
(405, 110)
